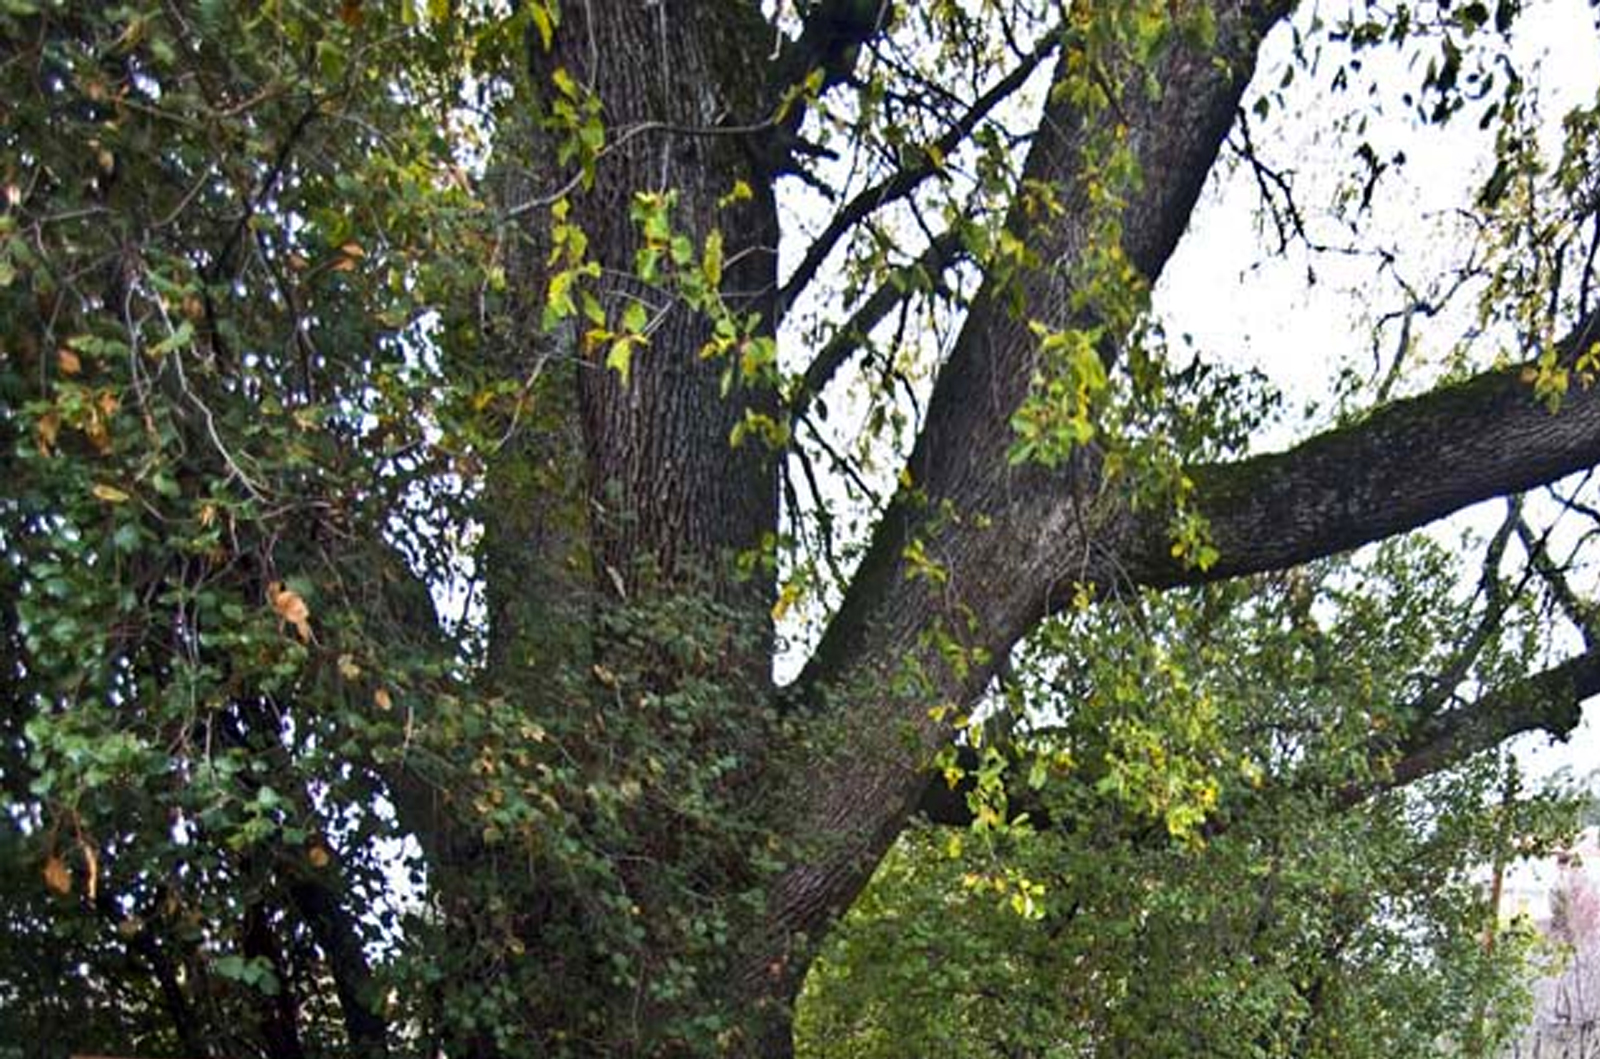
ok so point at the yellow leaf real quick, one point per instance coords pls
(543, 23)
(713, 258)
(564, 82)
(109, 493)
(56, 876)
(68, 361)
(95, 430)
(292, 610)
(786, 599)
(348, 668)
(318, 856)
(381, 697)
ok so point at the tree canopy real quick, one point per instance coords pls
(515, 512)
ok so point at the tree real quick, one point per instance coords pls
(1290, 921)
(1564, 1014)
(314, 320)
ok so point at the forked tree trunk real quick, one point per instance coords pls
(670, 504)
(667, 505)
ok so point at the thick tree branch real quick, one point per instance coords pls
(997, 547)
(335, 930)
(1404, 466)
(1550, 701)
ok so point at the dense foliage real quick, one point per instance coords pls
(416, 468)
(1220, 888)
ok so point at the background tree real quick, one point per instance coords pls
(1564, 1019)
(318, 319)
(1282, 901)
(1574, 918)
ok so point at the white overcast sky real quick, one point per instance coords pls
(1224, 288)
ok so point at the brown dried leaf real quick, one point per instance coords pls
(47, 430)
(98, 435)
(56, 876)
(68, 361)
(291, 609)
(381, 697)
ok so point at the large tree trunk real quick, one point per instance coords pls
(623, 489)
(672, 499)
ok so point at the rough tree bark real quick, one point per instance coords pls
(666, 498)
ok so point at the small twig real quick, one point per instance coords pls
(624, 137)
(847, 339)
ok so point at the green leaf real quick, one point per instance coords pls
(712, 260)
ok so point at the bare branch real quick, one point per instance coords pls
(901, 283)
(1550, 701)
(1496, 600)
(1578, 611)
(910, 176)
